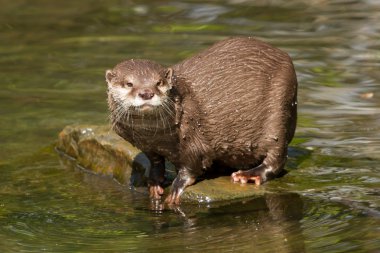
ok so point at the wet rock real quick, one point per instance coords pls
(100, 150)
(221, 189)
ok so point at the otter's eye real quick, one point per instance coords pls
(160, 83)
(129, 84)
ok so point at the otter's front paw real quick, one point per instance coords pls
(246, 176)
(176, 191)
(179, 184)
(156, 191)
(173, 198)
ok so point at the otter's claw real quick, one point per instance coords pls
(244, 177)
(173, 198)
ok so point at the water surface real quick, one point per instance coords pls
(53, 58)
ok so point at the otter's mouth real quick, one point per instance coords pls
(146, 107)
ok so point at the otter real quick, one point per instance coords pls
(234, 103)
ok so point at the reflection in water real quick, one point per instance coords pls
(249, 225)
(53, 57)
(77, 211)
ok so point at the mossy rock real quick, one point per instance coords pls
(101, 151)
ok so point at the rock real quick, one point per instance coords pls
(100, 150)
(221, 189)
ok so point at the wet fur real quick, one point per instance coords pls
(235, 103)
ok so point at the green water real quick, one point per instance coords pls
(53, 55)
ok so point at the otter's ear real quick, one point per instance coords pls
(169, 76)
(109, 76)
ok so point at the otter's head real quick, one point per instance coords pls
(140, 85)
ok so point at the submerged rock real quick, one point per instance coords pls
(101, 151)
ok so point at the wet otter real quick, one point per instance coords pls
(234, 103)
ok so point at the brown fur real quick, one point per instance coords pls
(235, 103)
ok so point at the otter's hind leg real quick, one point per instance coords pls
(279, 131)
(271, 167)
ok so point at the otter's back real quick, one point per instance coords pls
(239, 83)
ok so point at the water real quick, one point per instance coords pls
(53, 59)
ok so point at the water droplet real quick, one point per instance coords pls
(274, 137)
(248, 145)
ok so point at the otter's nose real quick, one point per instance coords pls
(146, 94)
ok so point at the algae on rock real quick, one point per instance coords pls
(100, 150)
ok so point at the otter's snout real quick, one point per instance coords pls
(146, 94)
